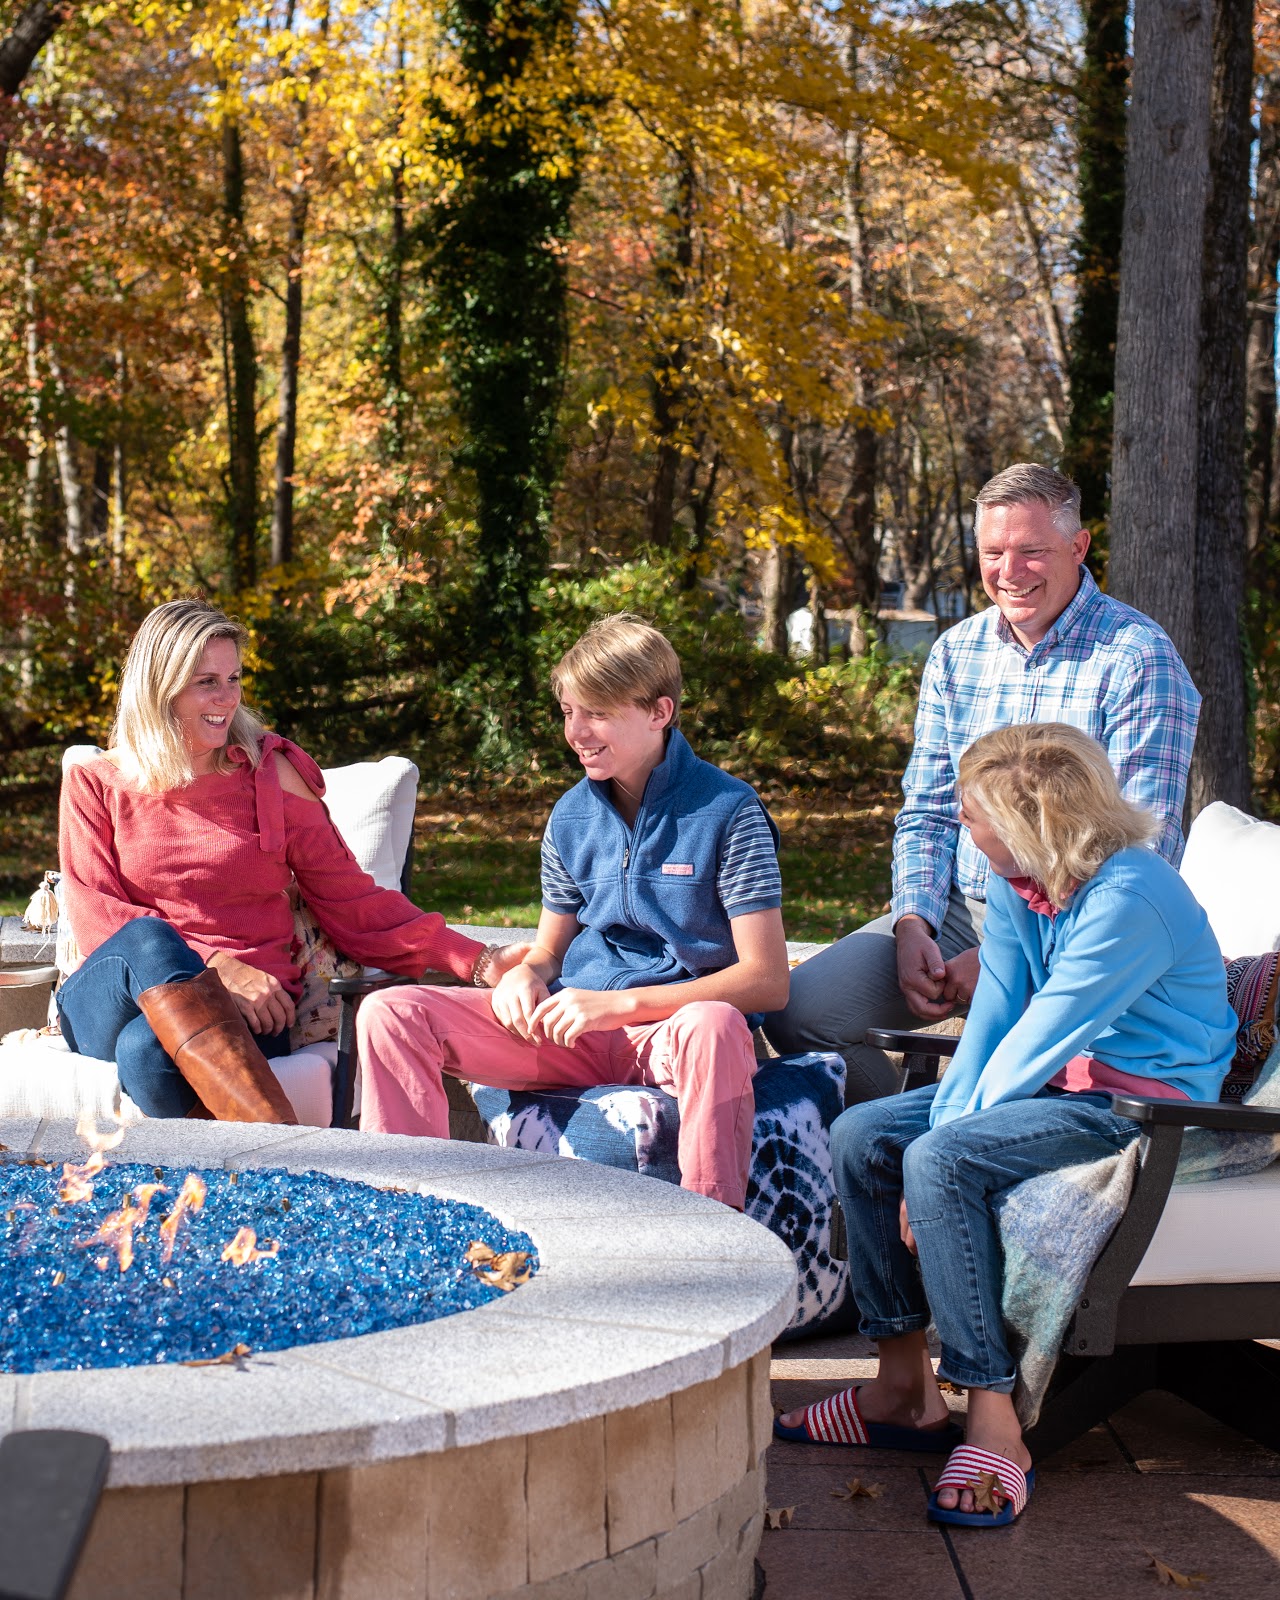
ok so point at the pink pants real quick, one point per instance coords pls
(703, 1055)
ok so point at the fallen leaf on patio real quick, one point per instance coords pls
(855, 1489)
(504, 1270)
(1169, 1578)
(226, 1359)
(947, 1387)
(988, 1495)
(1086, 1464)
(778, 1516)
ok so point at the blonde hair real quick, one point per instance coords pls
(163, 659)
(620, 661)
(1052, 798)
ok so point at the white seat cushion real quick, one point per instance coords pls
(1220, 1232)
(1232, 866)
(40, 1077)
(372, 806)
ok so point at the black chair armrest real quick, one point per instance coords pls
(1196, 1114)
(365, 982)
(50, 1482)
(912, 1044)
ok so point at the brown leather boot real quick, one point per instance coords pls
(201, 1029)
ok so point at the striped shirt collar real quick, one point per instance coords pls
(1070, 617)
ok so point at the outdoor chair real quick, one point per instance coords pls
(1190, 1279)
(372, 805)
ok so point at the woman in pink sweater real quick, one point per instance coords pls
(178, 848)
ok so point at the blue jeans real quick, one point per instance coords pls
(951, 1177)
(99, 1014)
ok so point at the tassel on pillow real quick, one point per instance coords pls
(41, 915)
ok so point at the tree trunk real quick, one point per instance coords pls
(100, 495)
(857, 519)
(290, 354)
(1261, 349)
(1220, 768)
(119, 485)
(242, 383)
(35, 406)
(776, 583)
(36, 25)
(673, 277)
(1102, 91)
(64, 446)
(1153, 496)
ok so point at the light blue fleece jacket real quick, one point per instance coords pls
(1128, 972)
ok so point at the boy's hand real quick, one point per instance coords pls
(516, 996)
(565, 1017)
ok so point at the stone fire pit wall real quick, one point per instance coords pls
(598, 1433)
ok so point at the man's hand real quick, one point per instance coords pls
(264, 1002)
(516, 997)
(962, 977)
(565, 1017)
(922, 972)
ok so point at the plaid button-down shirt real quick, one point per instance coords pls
(1102, 667)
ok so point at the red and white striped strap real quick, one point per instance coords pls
(836, 1420)
(966, 1465)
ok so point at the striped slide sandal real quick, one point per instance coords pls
(1002, 1485)
(837, 1420)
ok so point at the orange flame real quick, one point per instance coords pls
(243, 1248)
(190, 1198)
(77, 1182)
(118, 1229)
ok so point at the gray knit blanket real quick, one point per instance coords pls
(1054, 1227)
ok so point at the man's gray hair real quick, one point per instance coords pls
(1028, 483)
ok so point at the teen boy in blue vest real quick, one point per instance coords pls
(661, 929)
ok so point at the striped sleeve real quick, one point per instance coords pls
(749, 878)
(559, 892)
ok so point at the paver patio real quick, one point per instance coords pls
(1160, 1479)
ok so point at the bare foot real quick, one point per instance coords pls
(878, 1401)
(993, 1426)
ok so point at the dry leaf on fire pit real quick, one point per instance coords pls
(1168, 1578)
(855, 1489)
(500, 1269)
(228, 1358)
(778, 1516)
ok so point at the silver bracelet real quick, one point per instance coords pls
(483, 962)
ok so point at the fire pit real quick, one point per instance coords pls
(597, 1431)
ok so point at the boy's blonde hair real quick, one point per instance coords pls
(163, 659)
(620, 661)
(1050, 793)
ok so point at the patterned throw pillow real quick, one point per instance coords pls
(790, 1190)
(1253, 988)
(316, 1014)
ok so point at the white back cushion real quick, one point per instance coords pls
(372, 806)
(1232, 866)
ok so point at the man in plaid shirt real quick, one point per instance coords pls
(1052, 648)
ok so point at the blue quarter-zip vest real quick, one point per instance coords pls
(652, 913)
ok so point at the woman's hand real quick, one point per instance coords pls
(264, 1002)
(516, 996)
(563, 1018)
(904, 1227)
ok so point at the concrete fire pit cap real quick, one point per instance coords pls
(643, 1290)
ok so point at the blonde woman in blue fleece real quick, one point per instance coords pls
(1099, 975)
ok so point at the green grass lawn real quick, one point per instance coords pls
(481, 865)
